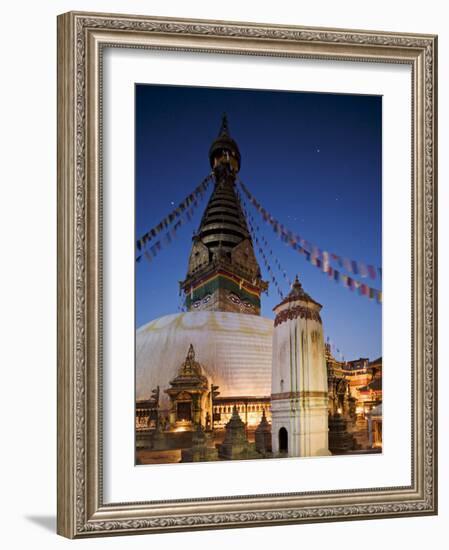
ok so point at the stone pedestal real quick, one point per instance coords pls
(143, 439)
(158, 440)
(200, 450)
(340, 440)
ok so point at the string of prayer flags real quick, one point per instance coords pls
(149, 252)
(319, 257)
(353, 284)
(252, 225)
(322, 263)
(198, 192)
(333, 348)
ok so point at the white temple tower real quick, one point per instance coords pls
(299, 391)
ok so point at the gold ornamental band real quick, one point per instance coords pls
(297, 395)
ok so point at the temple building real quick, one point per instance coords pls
(190, 394)
(355, 399)
(355, 387)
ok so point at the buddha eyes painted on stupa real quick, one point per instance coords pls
(197, 304)
(234, 298)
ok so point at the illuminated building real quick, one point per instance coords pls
(299, 398)
(190, 395)
(354, 391)
(355, 387)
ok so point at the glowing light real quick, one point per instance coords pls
(181, 429)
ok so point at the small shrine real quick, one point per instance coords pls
(189, 396)
(235, 445)
(263, 435)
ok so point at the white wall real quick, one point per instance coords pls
(28, 274)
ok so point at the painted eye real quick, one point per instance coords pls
(234, 298)
(206, 299)
(197, 304)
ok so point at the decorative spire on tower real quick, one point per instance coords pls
(297, 303)
(297, 293)
(223, 273)
(224, 125)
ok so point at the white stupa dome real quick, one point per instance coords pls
(234, 349)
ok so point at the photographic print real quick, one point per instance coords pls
(258, 298)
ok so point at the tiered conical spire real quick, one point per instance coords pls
(223, 273)
(223, 223)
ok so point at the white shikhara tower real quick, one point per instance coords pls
(299, 393)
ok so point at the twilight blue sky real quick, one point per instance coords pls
(313, 160)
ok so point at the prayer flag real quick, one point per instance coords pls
(325, 261)
(347, 264)
(362, 269)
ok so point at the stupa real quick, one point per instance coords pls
(222, 291)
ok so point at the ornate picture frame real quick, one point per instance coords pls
(82, 38)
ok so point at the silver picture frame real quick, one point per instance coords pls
(82, 38)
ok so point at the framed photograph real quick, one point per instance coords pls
(246, 274)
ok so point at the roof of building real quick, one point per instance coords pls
(375, 385)
(297, 293)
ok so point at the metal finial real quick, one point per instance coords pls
(296, 288)
(191, 353)
(224, 129)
